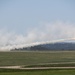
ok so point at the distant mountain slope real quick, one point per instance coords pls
(48, 47)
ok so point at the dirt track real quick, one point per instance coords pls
(11, 67)
(35, 68)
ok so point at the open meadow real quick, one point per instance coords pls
(29, 58)
(38, 59)
(38, 72)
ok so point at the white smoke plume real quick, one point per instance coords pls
(45, 32)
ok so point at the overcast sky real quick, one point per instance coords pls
(36, 20)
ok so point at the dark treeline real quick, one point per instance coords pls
(49, 47)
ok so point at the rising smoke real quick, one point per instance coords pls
(46, 32)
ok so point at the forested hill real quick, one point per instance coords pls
(49, 47)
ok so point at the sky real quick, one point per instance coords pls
(28, 21)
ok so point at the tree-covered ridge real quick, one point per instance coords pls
(51, 46)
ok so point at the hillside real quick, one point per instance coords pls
(49, 47)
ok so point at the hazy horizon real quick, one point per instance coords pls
(32, 21)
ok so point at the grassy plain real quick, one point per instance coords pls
(33, 58)
(38, 72)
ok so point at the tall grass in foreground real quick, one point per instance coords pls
(38, 72)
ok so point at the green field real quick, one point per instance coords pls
(38, 59)
(30, 58)
(38, 72)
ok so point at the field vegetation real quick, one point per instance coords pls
(38, 59)
(33, 58)
(37, 72)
